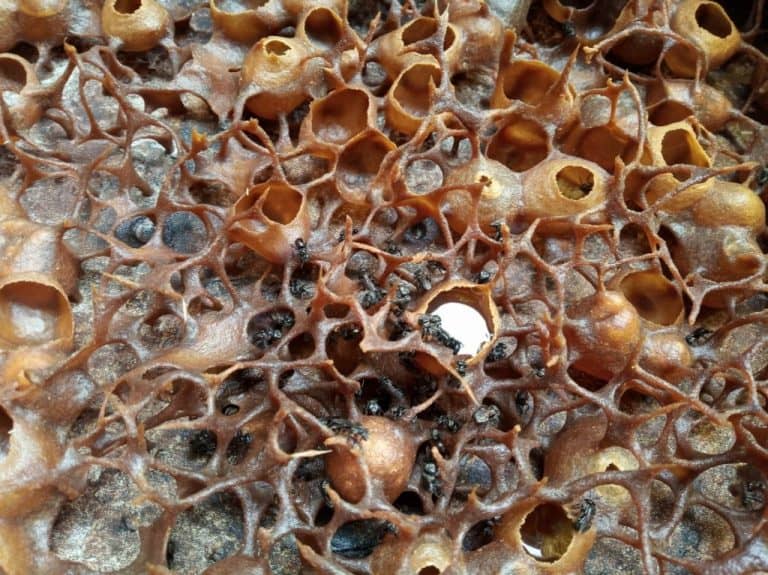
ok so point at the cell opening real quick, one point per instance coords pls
(603, 144)
(681, 147)
(417, 30)
(206, 534)
(238, 447)
(410, 503)
(323, 516)
(340, 116)
(547, 532)
(430, 570)
(184, 232)
(575, 182)
(162, 330)
(27, 51)
(336, 310)
(712, 18)
(669, 113)
(323, 27)
(637, 50)
(412, 90)
(33, 312)
(267, 328)
(479, 535)
(654, 297)
(13, 76)
(711, 439)
(281, 204)
(357, 539)
(302, 346)
(202, 444)
(423, 176)
(343, 347)
(127, 6)
(464, 316)
(520, 146)
(528, 81)
(276, 47)
(360, 161)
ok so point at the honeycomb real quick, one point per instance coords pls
(457, 287)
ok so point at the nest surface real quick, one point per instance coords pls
(234, 238)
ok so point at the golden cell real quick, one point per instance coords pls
(388, 454)
(251, 24)
(276, 218)
(359, 163)
(673, 101)
(603, 333)
(500, 198)
(18, 76)
(410, 98)
(544, 533)
(655, 298)
(137, 25)
(34, 309)
(520, 145)
(563, 186)
(341, 115)
(524, 80)
(427, 553)
(277, 75)
(730, 204)
(709, 28)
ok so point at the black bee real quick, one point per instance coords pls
(431, 328)
(263, 338)
(301, 289)
(422, 281)
(373, 407)
(698, 336)
(487, 415)
(430, 477)
(302, 251)
(483, 277)
(371, 294)
(585, 516)
(762, 176)
(521, 402)
(569, 29)
(397, 412)
(461, 367)
(753, 495)
(497, 227)
(170, 552)
(392, 248)
(202, 444)
(449, 423)
(282, 319)
(498, 352)
(437, 441)
(354, 431)
(238, 447)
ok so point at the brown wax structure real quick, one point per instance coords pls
(230, 233)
